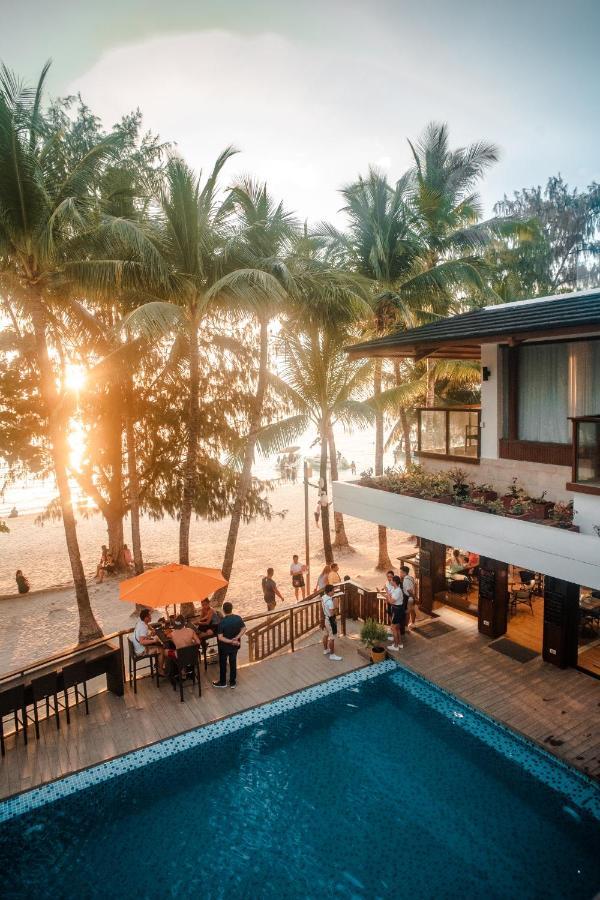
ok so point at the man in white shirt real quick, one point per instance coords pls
(387, 590)
(144, 644)
(410, 599)
(297, 571)
(329, 613)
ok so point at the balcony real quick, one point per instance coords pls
(531, 545)
(449, 433)
(586, 455)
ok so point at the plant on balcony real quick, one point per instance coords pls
(515, 492)
(374, 636)
(540, 507)
(496, 507)
(483, 491)
(520, 508)
(460, 485)
(562, 516)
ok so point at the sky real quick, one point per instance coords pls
(312, 93)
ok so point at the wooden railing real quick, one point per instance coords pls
(282, 628)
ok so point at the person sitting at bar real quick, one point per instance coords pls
(472, 560)
(458, 563)
(182, 635)
(209, 620)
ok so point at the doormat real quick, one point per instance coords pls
(515, 651)
(434, 629)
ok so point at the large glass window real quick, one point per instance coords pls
(449, 431)
(587, 456)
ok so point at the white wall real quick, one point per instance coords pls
(552, 551)
(490, 402)
(587, 513)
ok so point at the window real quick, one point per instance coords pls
(449, 432)
(554, 381)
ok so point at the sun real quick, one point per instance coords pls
(75, 376)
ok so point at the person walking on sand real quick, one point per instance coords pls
(398, 614)
(317, 513)
(410, 599)
(297, 570)
(330, 623)
(270, 590)
(229, 636)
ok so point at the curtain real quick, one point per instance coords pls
(584, 378)
(544, 393)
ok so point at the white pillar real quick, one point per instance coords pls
(491, 407)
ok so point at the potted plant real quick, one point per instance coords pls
(496, 507)
(374, 635)
(460, 486)
(484, 492)
(562, 515)
(520, 509)
(540, 508)
(515, 492)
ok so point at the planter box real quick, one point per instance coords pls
(488, 496)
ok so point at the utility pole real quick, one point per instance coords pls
(306, 528)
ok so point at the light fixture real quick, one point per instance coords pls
(485, 373)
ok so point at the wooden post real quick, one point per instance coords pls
(343, 613)
(561, 622)
(493, 597)
(292, 629)
(432, 572)
(122, 649)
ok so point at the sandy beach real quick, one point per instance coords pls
(44, 622)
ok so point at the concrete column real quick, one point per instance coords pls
(491, 402)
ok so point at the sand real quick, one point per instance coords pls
(45, 621)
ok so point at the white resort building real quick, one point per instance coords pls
(538, 579)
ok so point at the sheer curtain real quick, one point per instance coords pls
(544, 393)
(584, 378)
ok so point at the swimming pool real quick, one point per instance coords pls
(376, 784)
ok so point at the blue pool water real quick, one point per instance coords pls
(384, 787)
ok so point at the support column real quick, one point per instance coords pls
(493, 597)
(561, 620)
(432, 572)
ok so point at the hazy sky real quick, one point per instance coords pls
(312, 92)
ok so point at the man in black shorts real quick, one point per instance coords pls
(297, 571)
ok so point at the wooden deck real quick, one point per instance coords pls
(117, 725)
(560, 709)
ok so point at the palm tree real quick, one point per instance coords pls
(54, 239)
(325, 387)
(211, 267)
(419, 243)
(264, 231)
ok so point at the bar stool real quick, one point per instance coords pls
(73, 676)
(45, 688)
(12, 702)
(139, 660)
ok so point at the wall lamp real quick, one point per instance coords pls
(486, 373)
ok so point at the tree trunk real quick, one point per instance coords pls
(59, 447)
(406, 436)
(116, 505)
(383, 560)
(245, 479)
(189, 472)
(403, 419)
(134, 485)
(323, 489)
(114, 526)
(341, 539)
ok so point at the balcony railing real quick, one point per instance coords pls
(449, 432)
(586, 454)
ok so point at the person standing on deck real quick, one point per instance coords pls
(270, 590)
(329, 614)
(398, 614)
(334, 576)
(387, 590)
(229, 635)
(410, 599)
(297, 570)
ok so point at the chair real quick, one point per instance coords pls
(187, 663)
(73, 676)
(459, 587)
(522, 595)
(45, 688)
(12, 702)
(139, 660)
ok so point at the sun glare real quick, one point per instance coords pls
(76, 445)
(74, 377)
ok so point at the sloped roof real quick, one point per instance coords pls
(460, 337)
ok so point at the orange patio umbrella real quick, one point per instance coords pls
(171, 584)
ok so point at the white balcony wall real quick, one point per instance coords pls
(552, 551)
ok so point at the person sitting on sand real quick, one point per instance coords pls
(22, 582)
(127, 557)
(102, 564)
